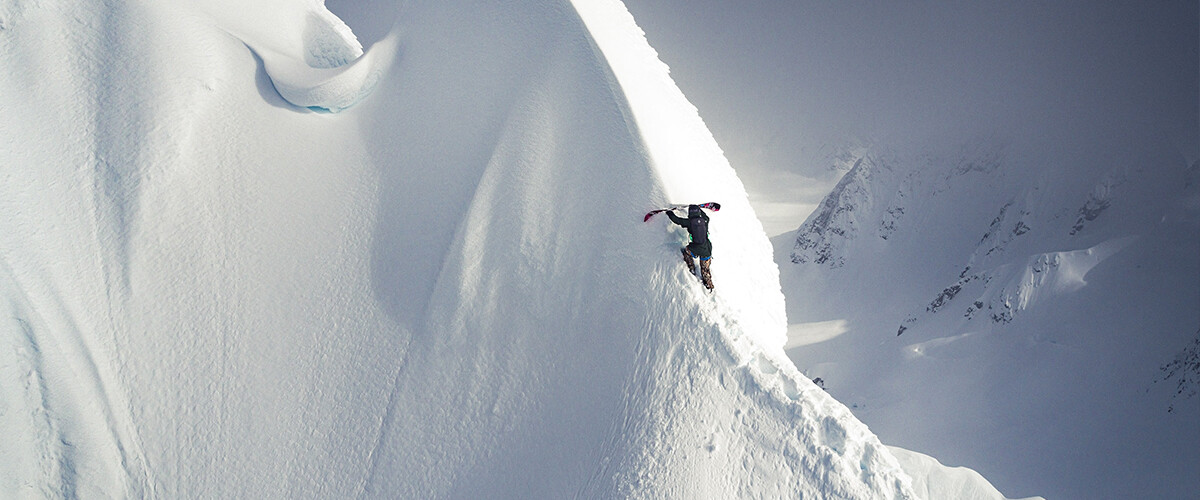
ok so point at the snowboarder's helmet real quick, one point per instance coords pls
(693, 210)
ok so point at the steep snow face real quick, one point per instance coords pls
(1010, 312)
(444, 290)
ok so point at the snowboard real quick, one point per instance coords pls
(714, 206)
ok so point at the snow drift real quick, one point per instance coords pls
(444, 290)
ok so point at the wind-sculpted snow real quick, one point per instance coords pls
(326, 88)
(446, 290)
(312, 58)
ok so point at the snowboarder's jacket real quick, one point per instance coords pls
(697, 226)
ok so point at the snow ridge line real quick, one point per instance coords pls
(838, 435)
(741, 348)
(669, 122)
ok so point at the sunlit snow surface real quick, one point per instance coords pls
(444, 290)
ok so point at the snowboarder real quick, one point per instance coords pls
(700, 247)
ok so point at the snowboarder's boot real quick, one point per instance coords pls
(706, 273)
(687, 259)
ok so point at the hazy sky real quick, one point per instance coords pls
(777, 81)
(782, 83)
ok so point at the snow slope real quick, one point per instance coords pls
(1014, 309)
(215, 288)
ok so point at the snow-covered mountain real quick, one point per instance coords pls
(1015, 309)
(243, 257)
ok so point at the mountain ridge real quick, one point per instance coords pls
(1022, 271)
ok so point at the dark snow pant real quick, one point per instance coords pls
(705, 269)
